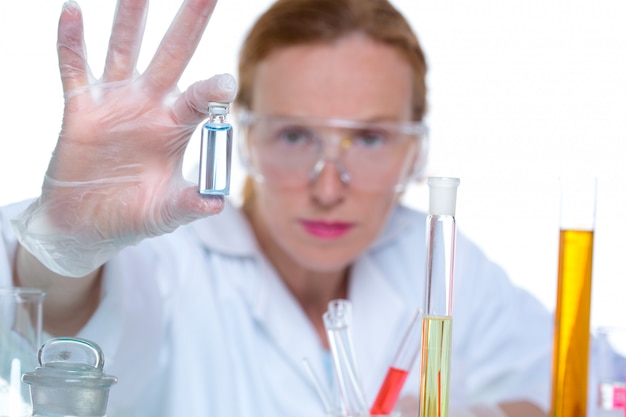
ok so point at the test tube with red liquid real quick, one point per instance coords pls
(400, 367)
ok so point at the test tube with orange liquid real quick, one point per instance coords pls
(573, 305)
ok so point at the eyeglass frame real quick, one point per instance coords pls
(246, 118)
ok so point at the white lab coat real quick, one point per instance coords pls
(197, 322)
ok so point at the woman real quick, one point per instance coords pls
(217, 315)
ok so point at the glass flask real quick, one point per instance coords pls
(70, 380)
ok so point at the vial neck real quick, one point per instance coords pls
(217, 118)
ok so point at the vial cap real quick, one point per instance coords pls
(218, 108)
(442, 195)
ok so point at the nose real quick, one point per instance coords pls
(329, 183)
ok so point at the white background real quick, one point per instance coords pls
(521, 92)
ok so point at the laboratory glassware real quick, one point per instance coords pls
(437, 319)
(70, 380)
(215, 152)
(20, 338)
(400, 367)
(611, 389)
(317, 383)
(338, 324)
(573, 304)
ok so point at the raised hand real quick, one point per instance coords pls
(115, 176)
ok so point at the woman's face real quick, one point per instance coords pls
(325, 223)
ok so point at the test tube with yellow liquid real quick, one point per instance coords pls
(570, 361)
(437, 316)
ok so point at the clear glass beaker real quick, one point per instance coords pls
(20, 338)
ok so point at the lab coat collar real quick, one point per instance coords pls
(377, 311)
(376, 304)
(380, 314)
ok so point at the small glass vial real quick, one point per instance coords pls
(69, 381)
(215, 152)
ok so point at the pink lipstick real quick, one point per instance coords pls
(326, 230)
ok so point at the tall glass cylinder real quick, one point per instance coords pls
(338, 324)
(573, 304)
(437, 318)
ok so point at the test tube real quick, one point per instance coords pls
(437, 320)
(400, 367)
(573, 304)
(338, 322)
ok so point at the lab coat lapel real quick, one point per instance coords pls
(274, 308)
(278, 312)
(379, 312)
(380, 316)
(379, 319)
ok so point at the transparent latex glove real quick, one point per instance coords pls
(115, 176)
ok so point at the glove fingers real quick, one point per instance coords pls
(178, 46)
(125, 41)
(191, 107)
(71, 48)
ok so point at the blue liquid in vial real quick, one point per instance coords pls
(215, 156)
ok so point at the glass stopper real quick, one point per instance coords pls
(69, 350)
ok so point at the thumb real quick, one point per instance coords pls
(192, 205)
(188, 207)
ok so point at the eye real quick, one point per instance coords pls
(371, 138)
(295, 136)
